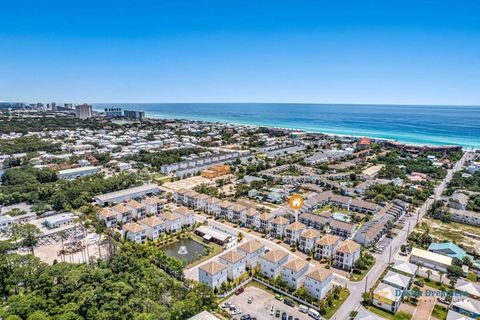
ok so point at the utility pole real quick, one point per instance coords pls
(366, 282)
(390, 255)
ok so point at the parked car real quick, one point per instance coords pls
(303, 309)
(245, 317)
(239, 291)
(290, 317)
(278, 297)
(289, 302)
(272, 311)
(226, 304)
(284, 316)
(418, 283)
(235, 312)
(277, 314)
(250, 299)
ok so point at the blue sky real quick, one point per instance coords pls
(399, 52)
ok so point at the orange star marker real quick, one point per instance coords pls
(295, 202)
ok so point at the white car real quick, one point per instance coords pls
(235, 312)
(272, 311)
(225, 305)
(250, 299)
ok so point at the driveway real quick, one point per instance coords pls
(425, 306)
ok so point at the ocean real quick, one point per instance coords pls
(433, 125)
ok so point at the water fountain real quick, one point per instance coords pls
(182, 250)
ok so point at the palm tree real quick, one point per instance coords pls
(441, 276)
(30, 236)
(429, 273)
(63, 236)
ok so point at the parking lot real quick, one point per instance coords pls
(261, 305)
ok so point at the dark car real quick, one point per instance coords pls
(290, 317)
(245, 317)
(277, 314)
(289, 302)
(284, 316)
(239, 291)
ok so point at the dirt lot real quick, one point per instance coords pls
(261, 305)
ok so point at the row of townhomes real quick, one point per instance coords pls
(272, 264)
(142, 216)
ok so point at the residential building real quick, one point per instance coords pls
(153, 205)
(226, 210)
(239, 214)
(265, 222)
(318, 282)
(154, 226)
(385, 297)
(58, 220)
(134, 232)
(108, 216)
(187, 216)
(127, 194)
(406, 268)
(308, 240)
(124, 213)
(469, 288)
(83, 111)
(235, 262)
(173, 221)
(326, 246)
(252, 218)
(279, 225)
(213, 206)
(6, 222)
(347, 253)
(397, 280)
(216, 171)
(342, 229)
(252, 250)
(271, 262)
(213, 274)
(293, 232)
(74, 173)
(466, 306)
(139, 210)
(293, 272)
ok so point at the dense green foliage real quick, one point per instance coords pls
(397, 165)
(474, 203)
(26, 144)
(25, 125)
(131, 285)
(382, 193)
(458, 182)
(158, 159)
(40, 186)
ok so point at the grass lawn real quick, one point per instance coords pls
(329, 312)
(358, 277)
(401, 315)
(435, 284)
(439, 312)
(216, 250)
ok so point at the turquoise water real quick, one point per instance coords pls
(341, 216)
(436, 125)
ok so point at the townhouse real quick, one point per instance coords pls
(347, 253)
(271, 262)
(252, 218)
(314, 220)
(187, 216)
(252, 250)
(179, 196)
(308, 240)
(173, 221)
(341, 228)
(153, 205)
(293, 232)
(293, 272)
(266, 220)
(226, 210)
(213, 206)
(134, 232)
(235, 262)
(279, 225)
(124, 213)
(238, 214)
(201, 202)
(139, 210)
(108, 216)
(190, 198)
(213, 274)
(326, 246)
(318, 282)
(154, 226)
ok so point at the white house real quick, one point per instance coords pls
(235, 262)
(397, 280)
(187, 216)
(138, 209)
(386, 297)
(108, 216)
(252, 250)
(265, 222)
(124, 213)
(252, 218)
(318, 282)
(308, 240)
(271, 262)
(213, 274)
(293, 272)
(347, 253)
(153, 205)
(155, 227)
(405, 268)
(213, 206)
(293, 232)
(58, 220)
(279, 225)
(5, 222)
(173, 222)
(326, 246)
(134, 232)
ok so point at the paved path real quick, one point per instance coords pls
(357, 289)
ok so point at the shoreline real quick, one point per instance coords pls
(332, 133)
